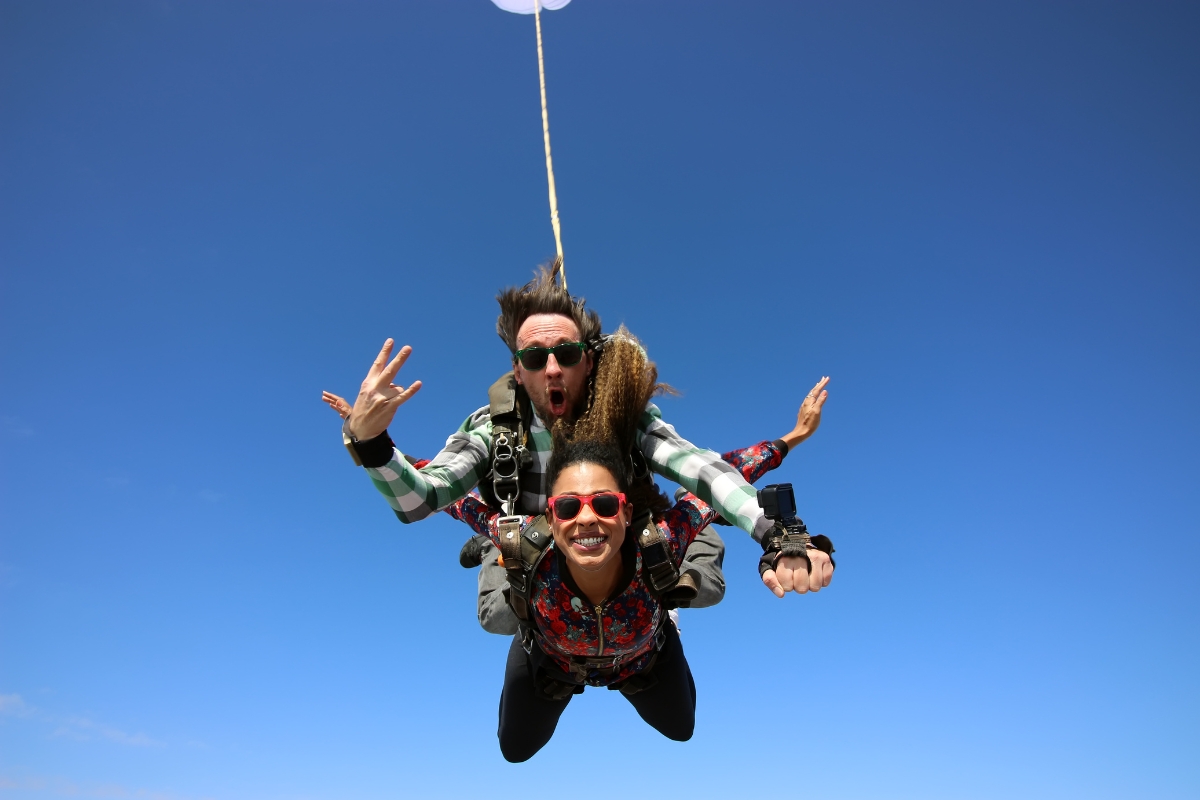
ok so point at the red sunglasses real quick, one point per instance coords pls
(604, 504)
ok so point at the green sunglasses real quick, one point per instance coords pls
(567, 354)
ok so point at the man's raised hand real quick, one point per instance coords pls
(791, 574)
(379, 398)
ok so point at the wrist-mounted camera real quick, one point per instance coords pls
(790, 536)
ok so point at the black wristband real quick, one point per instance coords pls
(783, 448)
(375, 452)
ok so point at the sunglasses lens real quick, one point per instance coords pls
(567, 355)
(534, 359)
(606, 505)
(567, 507)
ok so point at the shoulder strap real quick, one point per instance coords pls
(523, 552)
(658, 567)
(508, 406)
(502, 395)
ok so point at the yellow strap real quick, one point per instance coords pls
(562, 270)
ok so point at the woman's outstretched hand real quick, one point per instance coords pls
(337, 403)
(791, 574)
(808, 419)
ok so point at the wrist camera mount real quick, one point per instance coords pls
(790, 535)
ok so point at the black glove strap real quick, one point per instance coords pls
(793, 542)
(823, 543)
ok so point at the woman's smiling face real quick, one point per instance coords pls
(588, 541)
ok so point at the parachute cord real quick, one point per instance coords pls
(562, 270)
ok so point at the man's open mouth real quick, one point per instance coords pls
(558, 402)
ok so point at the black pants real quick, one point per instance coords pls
(528, 717)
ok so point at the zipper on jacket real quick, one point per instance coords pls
(600, 629)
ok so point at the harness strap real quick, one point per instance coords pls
(659, 568)
(523, 552)
(508, 407)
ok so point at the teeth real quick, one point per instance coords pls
(591, 541)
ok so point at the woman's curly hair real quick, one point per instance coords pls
(625, 381)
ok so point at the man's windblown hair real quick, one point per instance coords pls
(543, 295)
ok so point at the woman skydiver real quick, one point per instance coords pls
(591, 602)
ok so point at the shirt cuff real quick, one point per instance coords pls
(762, 527)
(783, 448)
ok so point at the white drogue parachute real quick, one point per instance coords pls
(535, 7)
(527, 6)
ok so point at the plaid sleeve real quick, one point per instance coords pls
(701, 472)
(416, 493)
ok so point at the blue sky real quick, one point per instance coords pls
(980, 219)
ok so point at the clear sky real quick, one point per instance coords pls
(981, 219)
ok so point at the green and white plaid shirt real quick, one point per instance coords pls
(416, 493)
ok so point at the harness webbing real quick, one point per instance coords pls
(508, 406)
